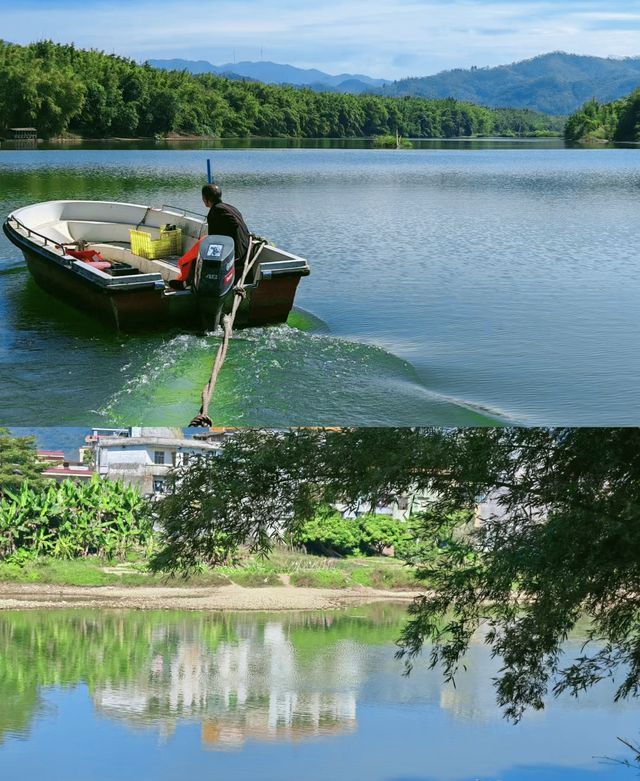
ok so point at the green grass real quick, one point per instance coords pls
(386, 578)
(76, 572)
(321, 579)
(253, 576)
(94, 571)
(303, 570)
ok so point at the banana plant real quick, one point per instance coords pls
(69, 519)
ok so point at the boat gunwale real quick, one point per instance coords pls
(78, 267)
(175, 211)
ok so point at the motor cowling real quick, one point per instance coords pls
(213, 278)
(215, 260)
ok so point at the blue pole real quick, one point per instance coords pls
(209, 177)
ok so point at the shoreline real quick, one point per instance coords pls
(39, 596)
(61, 140)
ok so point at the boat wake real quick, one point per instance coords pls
(12, 266)
(282, 376)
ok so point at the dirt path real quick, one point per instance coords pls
(22, 596)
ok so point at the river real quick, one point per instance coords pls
(457, 283)
(280, 697)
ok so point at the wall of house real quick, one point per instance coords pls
(135, 464)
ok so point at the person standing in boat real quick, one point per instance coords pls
(222, 220)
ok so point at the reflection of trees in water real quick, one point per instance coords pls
(241, 675)
(39, 650)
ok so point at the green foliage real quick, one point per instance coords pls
(77, 572)
(19, 463)
(565, 532)
(66, 520)
(255, 575)
(382, 531)
(210, 510)
(96, 571)
(386, 578)
(428, 534)
(266, 487)
(616, 121)
(61, 89)
(329, 532)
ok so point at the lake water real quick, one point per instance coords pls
(280, 697)
(465, 284)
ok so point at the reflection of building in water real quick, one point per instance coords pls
(255, 687)
(289, 716)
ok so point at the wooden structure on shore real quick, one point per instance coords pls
(24, 133)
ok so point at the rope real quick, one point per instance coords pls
(143, 220)
(202, 419)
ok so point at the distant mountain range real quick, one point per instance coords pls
(273, 73)
(555, 83)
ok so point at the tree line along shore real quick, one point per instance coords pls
(59, 90)
(617, 121)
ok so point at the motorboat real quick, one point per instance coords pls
(120, 262)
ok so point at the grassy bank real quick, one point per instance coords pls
(283, 568)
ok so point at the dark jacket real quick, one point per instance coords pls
(226, 220)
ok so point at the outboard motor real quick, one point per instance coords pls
(213, 278)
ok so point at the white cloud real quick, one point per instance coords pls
(336, 36)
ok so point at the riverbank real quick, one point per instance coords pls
(38, 596)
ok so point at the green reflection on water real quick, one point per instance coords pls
(220, 668)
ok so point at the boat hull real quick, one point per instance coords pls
(124, 310)
(151, 306)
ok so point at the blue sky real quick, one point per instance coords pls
(383, 38)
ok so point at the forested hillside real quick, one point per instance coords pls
(554, 83)
(615, 121)
(60, 89)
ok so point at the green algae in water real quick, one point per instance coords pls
(282, 376)
(305, 321)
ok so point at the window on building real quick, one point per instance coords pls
(158, 485)
(158, 457)
(185, 459)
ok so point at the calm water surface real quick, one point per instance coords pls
(459, 285)
(281, 697)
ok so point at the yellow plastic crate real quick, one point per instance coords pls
(169, 243)
(175, 236)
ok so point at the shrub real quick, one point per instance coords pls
(329, 532)
(383, 531)
(386, 578)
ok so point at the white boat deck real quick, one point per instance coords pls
(70, 222)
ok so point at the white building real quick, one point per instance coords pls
(144, 456)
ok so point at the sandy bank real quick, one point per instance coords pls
(23, 596)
